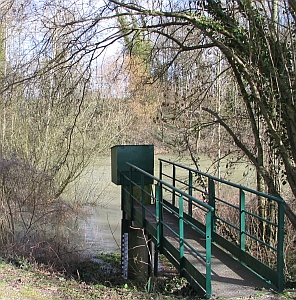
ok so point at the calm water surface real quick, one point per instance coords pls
(99, 224)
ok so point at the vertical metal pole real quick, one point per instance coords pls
(280, 247)
(174, 184)
(181, 233)
(143, 200)
(160, 169)
(212, 201)
(157, 248)
(242, 219)
(209, 229)
(159, 217)
(157, 205)
(190, 193)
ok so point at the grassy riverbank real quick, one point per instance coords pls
(25, 281)
(20, 280)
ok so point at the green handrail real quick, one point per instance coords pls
(208, 205)
(160, 204)
(271, 197)
(276, 277)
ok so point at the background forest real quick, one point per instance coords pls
(210, 77)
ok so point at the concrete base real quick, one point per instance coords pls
(138, 255)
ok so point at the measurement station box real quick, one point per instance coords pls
(141, 156)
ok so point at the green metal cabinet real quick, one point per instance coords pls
(141, 156)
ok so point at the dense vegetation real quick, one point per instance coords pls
(198, 77)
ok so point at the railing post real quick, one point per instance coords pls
(212, 202)
(242, 219)
(209, 218)
(181, 233)
(190, 193)
(280, 247)
(159, 216)
(143, 199)
(174, 184)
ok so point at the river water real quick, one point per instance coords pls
(99, 222)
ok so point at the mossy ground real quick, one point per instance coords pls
(89, 280)
(102, 279)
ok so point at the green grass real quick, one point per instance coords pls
(31, 282)
(25, 281)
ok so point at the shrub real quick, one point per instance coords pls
(34, 222)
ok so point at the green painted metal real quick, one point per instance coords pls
(247, 259)
(174, 184)
(208, 253)
(171, 253)
(160, 171)
(192, 271)
(190, 189)
(280, 246)
(242, 220)
(201, 280)
(123, 198)
(159, 230)
(212, 202)
(275, 277)
(143, 200)
(176, 256)
(121, 154)
(181, 232)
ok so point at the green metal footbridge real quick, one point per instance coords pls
(224, 238)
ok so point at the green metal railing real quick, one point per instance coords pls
(136, 199)
(247, 223)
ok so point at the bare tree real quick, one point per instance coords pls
(56, 116)
(260, 53)
(255, 39)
